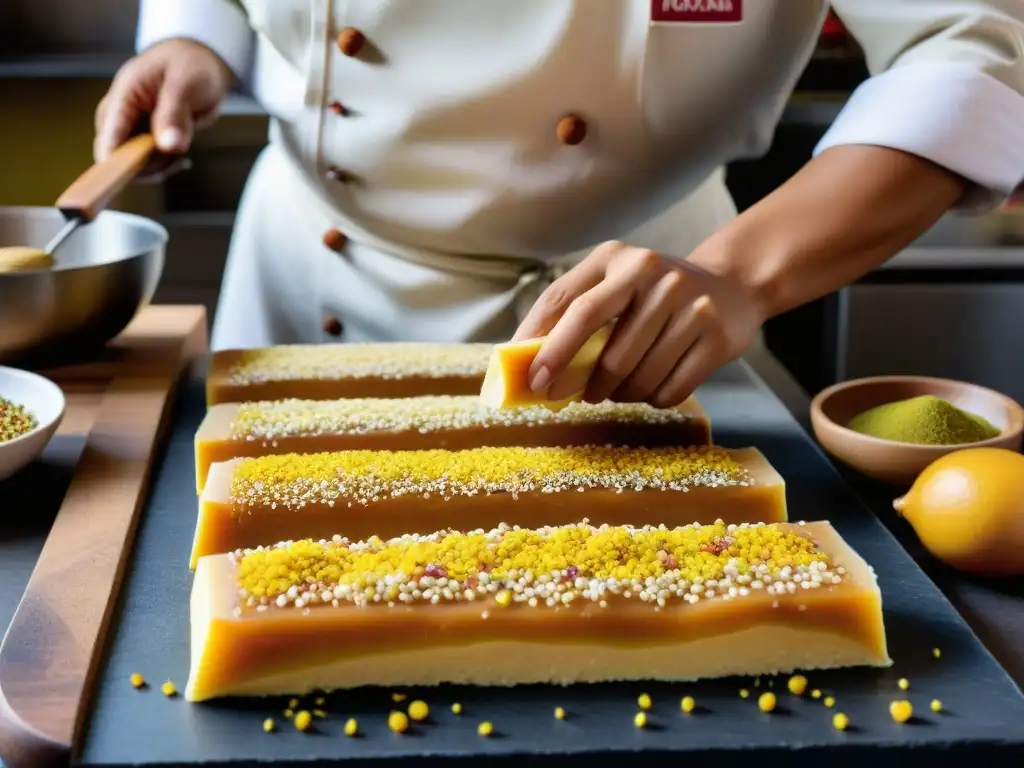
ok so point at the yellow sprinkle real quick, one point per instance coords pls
(418, 710)
(293, 704)
(640, 720)
(503, 598)
(816, 694)
(936, 705)
(288, 713)
(391, 360)
(644, 701)
(456, 709)
(398, 722)
(903, 684)
(281, 574)
(169, 689)
(269, 725)
(398, 697)
(485, 728)
(351, 727)
(303, 720)
(559, 713)
(744, 693)
(267, 421)
(319, 713)
(363, 477)
(936, 653)
(766, 701)
(901, 711)
(840, 721)
(797, 685)
(319, 701)
(830, 701)
(687, 704)
(138, 680)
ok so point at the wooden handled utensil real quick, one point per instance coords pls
(90, 193)
(83, 201)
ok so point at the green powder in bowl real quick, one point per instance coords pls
(924, 420)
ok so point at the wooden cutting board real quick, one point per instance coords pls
(49, 656)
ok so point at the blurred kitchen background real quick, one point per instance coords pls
(950, 305)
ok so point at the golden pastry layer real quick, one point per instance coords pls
(330, 371)
(235, 430)
(507, 606)
(249, 502)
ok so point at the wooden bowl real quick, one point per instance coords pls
(901, 463)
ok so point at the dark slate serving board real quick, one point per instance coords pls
(985, 708)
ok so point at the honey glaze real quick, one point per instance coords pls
(275, 620)
(358, 494)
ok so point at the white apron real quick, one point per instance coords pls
(434, 150)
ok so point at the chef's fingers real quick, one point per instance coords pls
(699, 362)
(158, 170)
(635, 332)
(681, 333)
(173, 121)
(557, 297)
(118, 114)
(586, 315)
(163, 167)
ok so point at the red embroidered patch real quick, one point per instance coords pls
(696, 11)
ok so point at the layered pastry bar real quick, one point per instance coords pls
(329, 371)
(507, 380)
(235, 430)
(559, 605)
(358, 494)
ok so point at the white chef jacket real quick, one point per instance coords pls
(430, 159)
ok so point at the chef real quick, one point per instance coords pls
(475, 170)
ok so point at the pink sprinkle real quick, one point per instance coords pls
(434, 572)
(572, 572)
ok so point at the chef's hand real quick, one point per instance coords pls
(677, 323)
(176, 86)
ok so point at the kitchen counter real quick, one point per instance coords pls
(994, 611)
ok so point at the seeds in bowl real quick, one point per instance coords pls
(15, 420)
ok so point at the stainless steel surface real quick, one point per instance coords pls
(62, 235)
(107, 272)
(967, 331)
(999, 257)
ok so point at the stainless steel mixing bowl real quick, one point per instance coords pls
(106, 272)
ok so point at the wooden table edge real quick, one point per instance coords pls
(41, 727)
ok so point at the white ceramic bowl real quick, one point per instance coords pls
(44, 400)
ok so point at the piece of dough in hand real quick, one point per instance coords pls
(21, 258)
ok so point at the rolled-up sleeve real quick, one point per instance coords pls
(220, 25)
(947, 84)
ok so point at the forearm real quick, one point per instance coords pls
(844, 214)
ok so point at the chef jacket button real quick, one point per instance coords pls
(571, 129)
(350, 41)
(335, 239)
(337, 174)
(332, 326)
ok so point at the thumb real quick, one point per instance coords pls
(172, 122)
